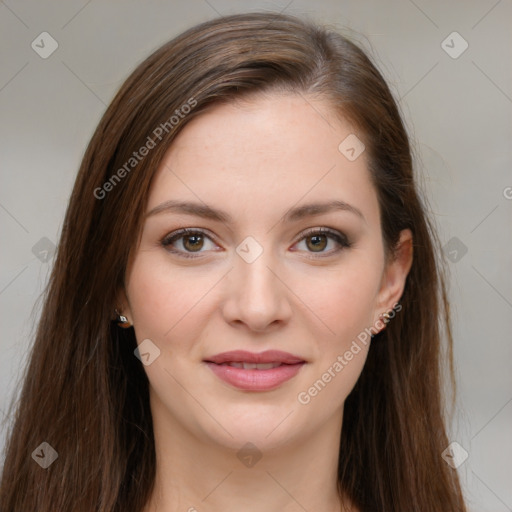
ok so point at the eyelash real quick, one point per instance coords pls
(337, 236)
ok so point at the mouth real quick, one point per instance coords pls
(251, 371)
(252, 366)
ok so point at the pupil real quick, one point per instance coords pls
(197, 242)
(318, 242)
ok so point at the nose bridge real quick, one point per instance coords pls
(256, 296)
(256, 275)
(257, 282)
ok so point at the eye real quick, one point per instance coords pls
(317, 240)
(186, 242)
(190, 243)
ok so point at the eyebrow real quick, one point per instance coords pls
(295, 214)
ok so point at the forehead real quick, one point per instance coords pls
(276, 150)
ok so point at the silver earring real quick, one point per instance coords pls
(121, 320)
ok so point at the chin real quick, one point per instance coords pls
(267, 427)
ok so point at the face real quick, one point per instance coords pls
(259, 269)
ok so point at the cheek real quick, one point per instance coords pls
(344, 302)
(342, 299)
(163, 302)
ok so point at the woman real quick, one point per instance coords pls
(246, 310)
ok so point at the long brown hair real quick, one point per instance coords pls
(85, 393)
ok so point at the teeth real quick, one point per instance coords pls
(260, 366)
(254, 366)
(235, 365)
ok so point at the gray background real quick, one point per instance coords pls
(458, 112)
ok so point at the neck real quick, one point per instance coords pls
(196, 475)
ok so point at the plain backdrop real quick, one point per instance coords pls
(455, 92)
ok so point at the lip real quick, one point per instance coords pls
(254, 379)
(269, 356)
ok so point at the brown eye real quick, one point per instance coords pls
(316, 242)
(323, 242)
(189, 243)
(193, 242)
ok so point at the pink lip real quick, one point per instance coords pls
(254, 379)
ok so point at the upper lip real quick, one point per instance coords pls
(242, 356)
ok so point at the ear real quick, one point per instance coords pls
(395, 274)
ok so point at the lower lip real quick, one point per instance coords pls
(255, 380)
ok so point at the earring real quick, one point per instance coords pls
(386, 317)
(121, 320)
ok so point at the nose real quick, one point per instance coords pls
(256, 296)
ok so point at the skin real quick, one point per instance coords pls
(256, 160)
